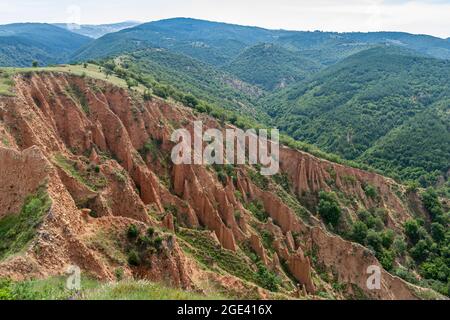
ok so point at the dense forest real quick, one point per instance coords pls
(364, 107)
(271, 66)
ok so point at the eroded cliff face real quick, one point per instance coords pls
(103, 155)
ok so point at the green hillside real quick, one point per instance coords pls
(219, 43)
(350, 107)
(271, 66)
(192, 76)
(417, 148)
(325, 48)
(211, 42)
(23, 43)
(330, 47)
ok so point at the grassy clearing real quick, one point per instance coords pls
(427, 294)
(91, 71)
(48, 289)
(55, 289)
(17, 230)
(143, 290)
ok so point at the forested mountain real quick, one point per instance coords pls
(212, 42)
(97, 31)
(219, 43)
(23, 43)
(271, 66)
(432, 46)
(417, 150)
(371, 96)
(323, 47)
(188, 75)
(330, 47)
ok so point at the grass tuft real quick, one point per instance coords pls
(17, 230)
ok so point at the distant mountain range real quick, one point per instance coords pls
(97, 31)
(219, 43)
(271, 66)
(23, 43)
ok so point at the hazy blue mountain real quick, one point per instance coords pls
(22, 43)
(432, 46)
(219, 43)
(330, 47)
(97, 31)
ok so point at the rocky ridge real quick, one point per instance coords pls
(103, 155)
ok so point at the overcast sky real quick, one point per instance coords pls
(420, 16)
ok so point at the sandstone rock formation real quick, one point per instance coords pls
(91, 155)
